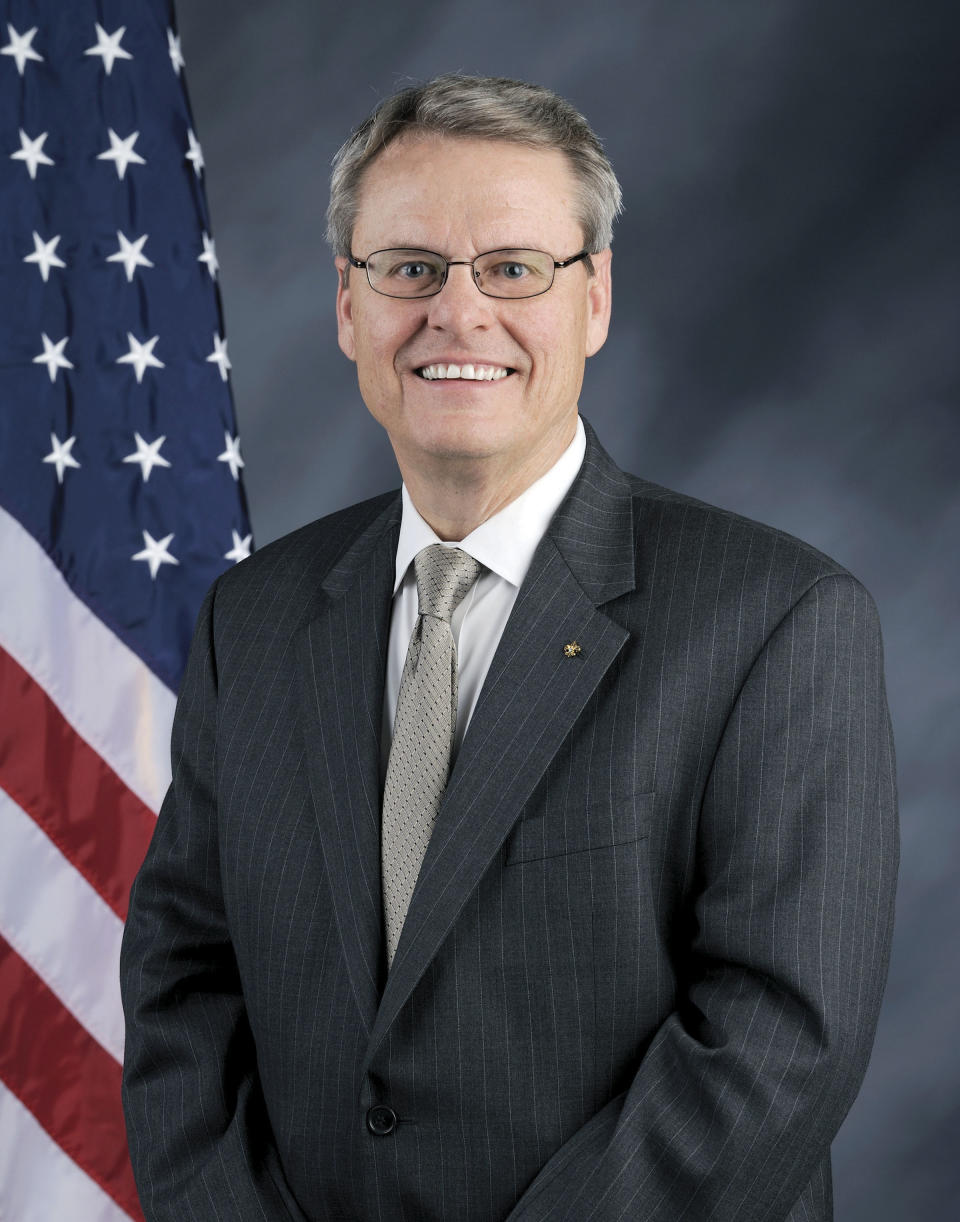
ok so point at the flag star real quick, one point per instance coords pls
(31, 151)
(219, 356)
(176, 55)
(194, 152)
(60, 455)
(121, 152)
(155, 553)
(130, 254)
(108, 47)
(44, 255)
(241, 548)
(231, 455)
(52, 356)
(209, 256)
(148, 455)
(20, 47)
(140, 356)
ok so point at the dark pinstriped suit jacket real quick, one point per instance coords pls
(641, 969)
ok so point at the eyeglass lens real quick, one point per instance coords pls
(498, 273)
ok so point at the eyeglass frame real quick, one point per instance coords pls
(448, 263)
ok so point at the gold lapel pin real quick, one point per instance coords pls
(571, 650)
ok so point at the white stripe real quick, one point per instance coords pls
(109, 696)
(38, 1181)
(58, 923)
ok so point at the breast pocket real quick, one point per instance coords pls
(603, 822)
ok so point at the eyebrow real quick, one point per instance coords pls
(486, 250)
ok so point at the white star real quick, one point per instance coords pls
(140, 356)
(108, 47)
(130, 254)
(44, 256)
(147, 455)
(155, 553)
(176, 55)
(194, 153)
(52, 356)
(60, 455)
(121, 152)
(209, 256)
(231, 455)
(241, 548)
(31, 151)
(20, 47)
(219, 356)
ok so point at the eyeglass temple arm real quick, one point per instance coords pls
(573, 259)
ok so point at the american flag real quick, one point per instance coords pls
(120, 502)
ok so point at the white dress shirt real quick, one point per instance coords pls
(504, 546)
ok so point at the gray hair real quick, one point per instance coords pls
(491, 108)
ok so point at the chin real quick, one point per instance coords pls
(462, 438)
(460, 433)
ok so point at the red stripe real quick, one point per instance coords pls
(66, 1079)
(99, 825)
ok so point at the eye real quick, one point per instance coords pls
(511, 270)
(413, 270)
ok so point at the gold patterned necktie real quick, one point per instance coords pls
(419, 762)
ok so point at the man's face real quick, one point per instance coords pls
(461, 197)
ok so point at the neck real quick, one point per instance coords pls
(456, 494)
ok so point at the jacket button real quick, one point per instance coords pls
(381, 1119)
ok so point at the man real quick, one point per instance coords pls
(532, 841)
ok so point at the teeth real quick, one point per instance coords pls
(472, 373)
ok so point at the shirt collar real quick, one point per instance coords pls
(505, 543)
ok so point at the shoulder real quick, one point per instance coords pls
(721, 573)
(715, 581)
(704, 535)
(682, 544)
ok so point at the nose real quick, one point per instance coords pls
(459, 306)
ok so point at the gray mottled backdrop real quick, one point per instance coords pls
(784, 343)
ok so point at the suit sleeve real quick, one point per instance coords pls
(199, 1136)
(738, 1096)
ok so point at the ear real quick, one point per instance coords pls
(344, 309)
(598, 301)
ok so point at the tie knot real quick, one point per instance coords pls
(444, 575)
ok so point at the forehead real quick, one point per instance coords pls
(436, 190)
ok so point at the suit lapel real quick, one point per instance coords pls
(531, 698)
(342, 665)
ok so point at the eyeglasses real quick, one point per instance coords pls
(496, 273)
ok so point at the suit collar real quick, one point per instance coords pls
(594, 527)
(381, 530)
(530, 701)
(342, 659)
(593, 530)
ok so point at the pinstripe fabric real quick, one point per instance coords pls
(642, 963)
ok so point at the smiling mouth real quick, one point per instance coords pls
(467, 373)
